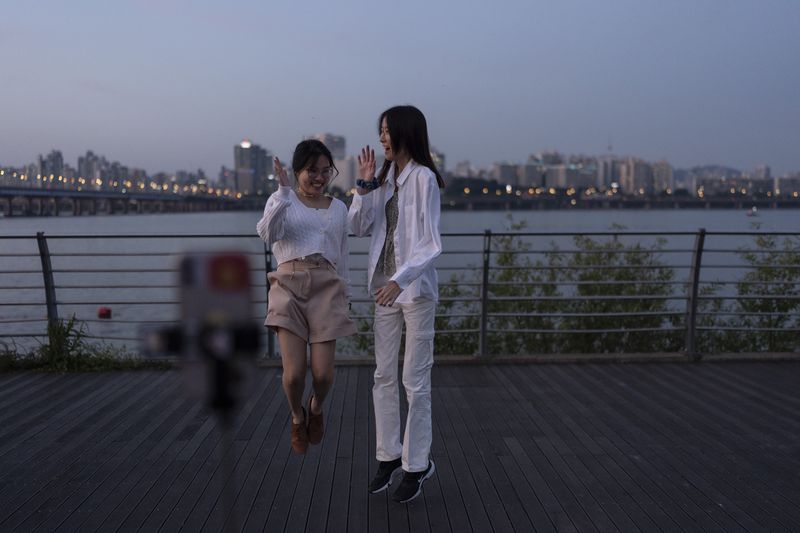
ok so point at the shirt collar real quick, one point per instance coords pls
(406, 171)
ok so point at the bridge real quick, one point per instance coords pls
(22, 201)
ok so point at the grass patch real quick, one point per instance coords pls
(67, 350)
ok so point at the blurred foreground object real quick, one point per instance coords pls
(217, 339)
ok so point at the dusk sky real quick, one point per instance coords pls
(168, 84)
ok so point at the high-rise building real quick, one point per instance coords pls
(504, 173)
(252, 166)
(335, 143)
(662, 177)
(348, 170)
(438, 160)
(90, 169)
(51, 168)
(636, 177)
(762, 172)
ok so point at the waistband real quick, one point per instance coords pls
(309, 261)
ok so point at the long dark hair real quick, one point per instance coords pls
(408, 131)
(306, 154)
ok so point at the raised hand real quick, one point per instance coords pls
(283, 178)
(366, 168)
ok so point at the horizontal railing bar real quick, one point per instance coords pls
(447, 234)
(21, 287)
(129, 321)
(15, 335)
(21, 320)
(19, 255)
(749, 282)
(111, 270)
(253, 236)
(750, 297)
(588, 267)
(740, 313)
(610, 297)
(629, 330)
(20, 272)
(560, 298)
(467, 267)
(112, 338)
(726, 328)
(747, 251)
(121, 302)
(15, 304)
(567, 283)
(115, 287)
(587, 252)
(753, 267)
(141, 254)
(567, 315)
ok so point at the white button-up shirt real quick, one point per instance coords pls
(416, 240)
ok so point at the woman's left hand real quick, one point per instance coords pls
(386, 295)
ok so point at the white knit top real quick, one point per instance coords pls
(294, 230)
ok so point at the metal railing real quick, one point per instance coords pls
(500, 293)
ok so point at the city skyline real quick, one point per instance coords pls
(169, 85)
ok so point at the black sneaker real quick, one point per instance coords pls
(411, 485)
(383, 477)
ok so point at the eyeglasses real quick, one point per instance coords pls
(327, 173)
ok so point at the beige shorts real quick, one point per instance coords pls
(309, 299)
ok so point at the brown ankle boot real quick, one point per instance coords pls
(316, 427)
(300, 435)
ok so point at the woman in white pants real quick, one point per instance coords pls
(400, 209)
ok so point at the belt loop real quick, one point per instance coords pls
(291, 276)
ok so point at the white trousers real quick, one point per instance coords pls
(418, 361)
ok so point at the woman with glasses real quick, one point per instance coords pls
(400, 209)
(309, 291)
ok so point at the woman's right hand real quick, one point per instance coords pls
(366, 167)
(283, 178)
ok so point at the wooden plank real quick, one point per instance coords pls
(583, 459)
(636, 483)
(478, 497)
(226, 513)
(337, 518)
(358, 506)
(263, 444)
(66, 457)
(218, 494)
(655, 421)
(112, 459)
(524, 447)
(37, 416)
(201, 469)
(483, 405)
(725, 419)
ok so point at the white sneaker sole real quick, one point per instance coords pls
(388, 483)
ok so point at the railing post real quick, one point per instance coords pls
(691, 300)
(268, 269)
(49, 285)
(487, 250)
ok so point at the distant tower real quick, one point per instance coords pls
(438, 159)
(251, 165)
(335, 143)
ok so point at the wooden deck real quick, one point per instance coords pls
(593, 447)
